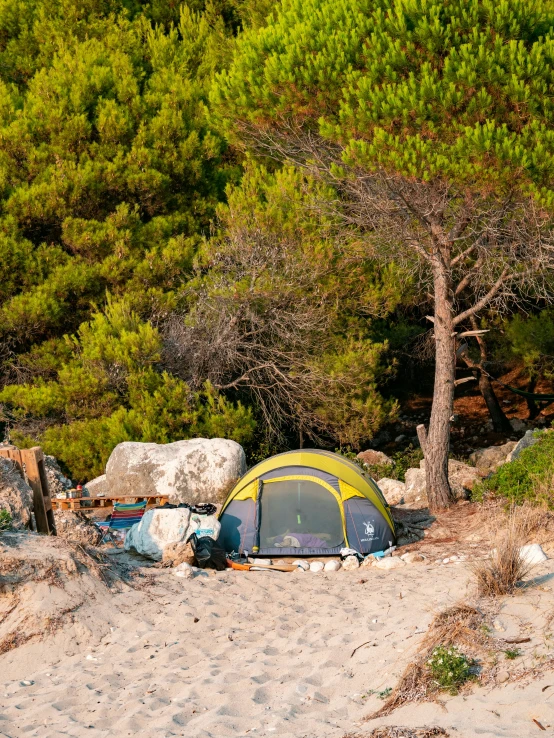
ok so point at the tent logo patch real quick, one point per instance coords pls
(369, 529)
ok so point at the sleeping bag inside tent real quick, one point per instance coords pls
(305, 503)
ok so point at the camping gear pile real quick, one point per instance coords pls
(297, 504)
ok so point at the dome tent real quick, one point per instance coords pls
(305, 503)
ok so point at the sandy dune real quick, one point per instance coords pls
(267, 654)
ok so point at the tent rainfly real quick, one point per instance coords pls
(305, 503)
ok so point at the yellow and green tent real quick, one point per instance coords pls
(306, 503)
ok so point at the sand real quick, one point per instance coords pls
(265, 654)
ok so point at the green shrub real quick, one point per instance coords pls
(527, 478)
(5, 520)
(450, 668)
(512, 653)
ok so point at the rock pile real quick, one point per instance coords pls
(57, 481)
(15, 495)
(75, 526)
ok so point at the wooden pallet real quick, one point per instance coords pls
(30, 462)
(87, 503)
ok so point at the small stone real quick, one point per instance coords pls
(367, 562)
(261, 562)
(26, 683)
(497, 625)
(502, 676)
(389, 562)
(532, 554)
(304, 565)
(184, 571)
(316, 566)
(446, 561)
(400, 438)
(412, 557)
(350, 563)
(332, 565)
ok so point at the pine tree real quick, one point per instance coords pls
(432, 121)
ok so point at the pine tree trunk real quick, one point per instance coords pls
(438, 438)
(500, 422)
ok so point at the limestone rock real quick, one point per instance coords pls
(415, 490)
(393, 490)
(97, 487)
(15, 494)
(350, 563)
(301, 564)
(532, 554)
(412, 557)
(157, 529)
(367, 562)
(332, 565)
(462, 478)
(178, 553)
(389, 562)
(199, 470)
(184, 571)
(317, 566)
(372, 458)
(529, 439)
(488, 460)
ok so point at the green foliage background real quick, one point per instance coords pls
(111, 175)
(124, 203)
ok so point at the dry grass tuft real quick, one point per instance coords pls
(398, 731)
(505, 568)
(460, 626)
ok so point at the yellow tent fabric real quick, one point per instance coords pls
(352, 481)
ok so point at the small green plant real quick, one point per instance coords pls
(512, 653)
(5, 520)
(382, 695)
(450, 668)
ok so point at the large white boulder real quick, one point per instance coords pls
(199, 470)
(393, 489)
(157, 529)
(97, 487)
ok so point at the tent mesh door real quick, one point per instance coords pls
(299, 513)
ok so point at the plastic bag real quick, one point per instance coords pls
(208, 553)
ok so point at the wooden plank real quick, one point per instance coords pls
(32, 458)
